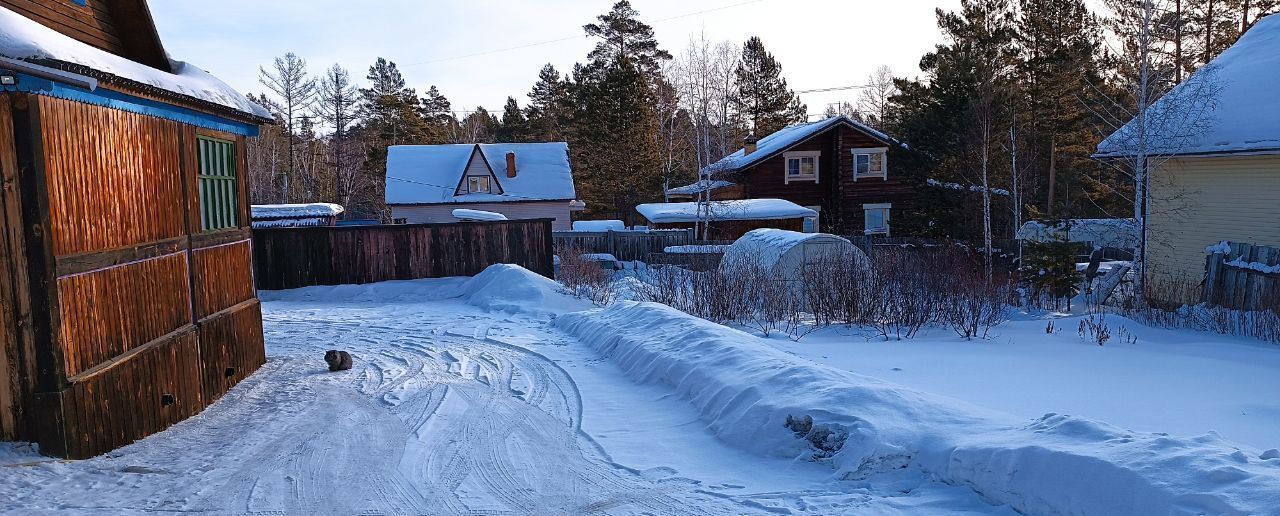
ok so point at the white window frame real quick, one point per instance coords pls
(816, 219)
(888, 210)
(787, 178)
(884, 162)
(477, 179)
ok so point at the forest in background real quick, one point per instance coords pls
(1016, 98)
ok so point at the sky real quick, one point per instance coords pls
(479, 52)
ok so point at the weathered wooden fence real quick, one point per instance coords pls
(624, 245)
(1230, 282)
(298, 257)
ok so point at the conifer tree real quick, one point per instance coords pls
(550, 108)
(762, 97)
(514, 127)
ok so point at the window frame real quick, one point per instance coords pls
(886, 209)
(870, 152)
(219, 207)
(488, 185)
(817, 219)
(787, 178)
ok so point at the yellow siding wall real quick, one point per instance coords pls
(1197, 202)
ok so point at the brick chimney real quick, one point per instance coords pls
(749, 144)
(511, 164)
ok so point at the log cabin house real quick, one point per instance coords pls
(126, 290)
(838, 167)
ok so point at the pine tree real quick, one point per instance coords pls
(762, 97)
(479, 127)
(514, 127)
(624, 37)
(550, 109)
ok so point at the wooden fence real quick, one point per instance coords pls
(624, 245)
(337, 255)
(1242, 288)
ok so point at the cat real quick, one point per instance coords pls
(338, 360)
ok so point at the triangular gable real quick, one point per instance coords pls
(791, 137)
(477, 158)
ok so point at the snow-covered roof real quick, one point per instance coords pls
(286, 211)
(477, 215)
(1230, 105)
(1118, 233)
(599, 225)
(699, 187)
(27, 40)
(429, 174)
(747, 209)
(789, 136)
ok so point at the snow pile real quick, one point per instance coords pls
(1230, 105)
(958, 186)
(1118, 233)
(512, 288)
(599, 225)
(746, 209)
(695, 249)
(27, 40)
(757, 397)
(477, 215)
(281, 211)
(1222, 247)
(1255, 266)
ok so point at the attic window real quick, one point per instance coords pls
(870, 163)
(801, 166)
(478, 184)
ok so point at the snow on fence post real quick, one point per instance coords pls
(1242, 276)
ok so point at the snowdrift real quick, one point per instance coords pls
(759, 398)
(512, 288)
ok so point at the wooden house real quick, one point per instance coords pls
(728, 220)
(126, 290)
(1214, 142)
(838, 167)
(425, 183)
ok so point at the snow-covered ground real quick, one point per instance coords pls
(457, 405)
(497, 395)
(1180, 382)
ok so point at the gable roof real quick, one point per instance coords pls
(478, 155)
(27, 40)
(745, 209)
(790, 136)
(1229, 106)
(430, 174)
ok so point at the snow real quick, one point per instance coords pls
(1118, 233)
(699, 187)
(280, 211)
(1254, 266)
(1243, 116)
(958, 186)
(430, 174)
(747, 209)
(24, 39)
(1222, 247)
(745, 390)
(695, 249)
(291, 223)
(785, 252)
(480, 215)
(599, 225)
(787, 137)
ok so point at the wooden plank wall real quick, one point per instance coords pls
(623, 245)
(222, 277)
(299, 257)
(1243, 289)
(91, 24)
(10, 253)
(230, 348)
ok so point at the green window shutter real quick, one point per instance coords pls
(217, 183)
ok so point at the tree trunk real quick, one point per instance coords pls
(1053, 173)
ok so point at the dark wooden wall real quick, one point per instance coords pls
(14, 309)
(1239, 288)
(732, 229)
(133, 305)
(299, 257)
(121, 27)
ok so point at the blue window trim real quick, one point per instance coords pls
(116, 100)
(81, 3)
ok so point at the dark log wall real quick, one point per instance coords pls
(12, 284)
(134, 289)
(92, 24)
(840, 197)
(732, 229)
(299, 257)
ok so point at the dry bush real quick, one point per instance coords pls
(583, 278)
(834, 287)
(1163, 312)
(902, 294)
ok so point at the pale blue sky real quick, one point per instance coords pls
(821, 43)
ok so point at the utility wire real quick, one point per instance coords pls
(568, 38)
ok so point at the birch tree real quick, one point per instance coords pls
(295, 91)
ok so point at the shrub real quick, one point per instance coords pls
(582, 277)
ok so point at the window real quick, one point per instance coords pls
(870, 163)
(219, 204)
(876, 219)
(802, 166)
(811, 223)
(478, 184)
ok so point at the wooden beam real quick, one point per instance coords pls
(81, 263)
(220, 237)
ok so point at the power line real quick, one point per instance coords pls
(567, 38)
(837, 88)
(403, 180)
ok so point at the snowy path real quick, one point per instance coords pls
(450, 410)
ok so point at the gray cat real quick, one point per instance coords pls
(338, 360)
